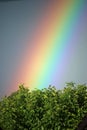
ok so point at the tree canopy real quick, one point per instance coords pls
(45, 109)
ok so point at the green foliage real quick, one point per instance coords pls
(46, 109)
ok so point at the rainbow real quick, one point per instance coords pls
(44, 61)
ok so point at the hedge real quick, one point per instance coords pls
(45, 109)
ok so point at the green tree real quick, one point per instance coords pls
(46, 109)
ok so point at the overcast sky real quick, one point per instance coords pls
(18, 20)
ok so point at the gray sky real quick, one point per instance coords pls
(18, 20)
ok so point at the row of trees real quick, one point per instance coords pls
(46, 109)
